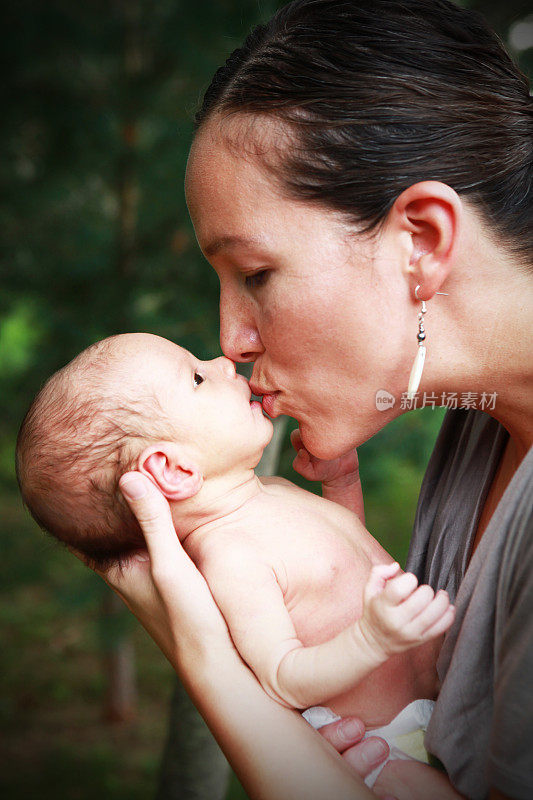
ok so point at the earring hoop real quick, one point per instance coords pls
(418, 287)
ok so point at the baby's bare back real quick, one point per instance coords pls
(321, 555)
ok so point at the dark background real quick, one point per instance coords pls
(97, 106)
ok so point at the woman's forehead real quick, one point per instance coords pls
(234, 205)
(215, 170)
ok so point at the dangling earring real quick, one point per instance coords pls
(418, 364)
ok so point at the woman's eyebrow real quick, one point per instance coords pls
(226, 242)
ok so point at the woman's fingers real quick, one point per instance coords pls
(363, 756)
(181, 589)
(344, 733)
(153, 515)
(366, 756)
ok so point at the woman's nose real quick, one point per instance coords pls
(239, 338)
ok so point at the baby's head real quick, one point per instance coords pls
(135, 401)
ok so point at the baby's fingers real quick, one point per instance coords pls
(432, 612)
(296, 439)
(417, 602)
(441, 625)
(433, 619)
(379, 575)
(399, 589)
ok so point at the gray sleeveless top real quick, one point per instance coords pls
(482, 726)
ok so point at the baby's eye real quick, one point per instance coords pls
(256, 279)
(197, 379)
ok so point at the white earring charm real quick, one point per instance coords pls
(418, 364)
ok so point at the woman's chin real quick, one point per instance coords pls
(328, 440)
(322, 443)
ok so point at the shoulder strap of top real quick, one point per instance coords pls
(459, 474)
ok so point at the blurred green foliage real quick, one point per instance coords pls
(97, 102)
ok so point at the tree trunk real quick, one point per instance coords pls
(193, 766)
(120, 704)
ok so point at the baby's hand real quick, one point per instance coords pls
(339, 472)
(399, 614)
(340, 478)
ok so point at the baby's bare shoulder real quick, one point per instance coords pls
(227, 550)
(271, 483)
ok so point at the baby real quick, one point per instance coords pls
(315, 606)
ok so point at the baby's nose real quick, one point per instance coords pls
(227, 366)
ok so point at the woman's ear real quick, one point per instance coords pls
(175, 476)
(431, 213)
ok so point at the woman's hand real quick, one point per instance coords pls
(340, 478)
(411, 780)
(363, 756)
(399, 780)
(162, 587)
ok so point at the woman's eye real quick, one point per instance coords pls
(256, 279)
(197, 379)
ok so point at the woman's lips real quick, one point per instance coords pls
(269, 401)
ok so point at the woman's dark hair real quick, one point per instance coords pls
(377, 95)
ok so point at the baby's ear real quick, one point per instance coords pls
(175, 476)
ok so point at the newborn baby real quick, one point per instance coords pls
(315, 606)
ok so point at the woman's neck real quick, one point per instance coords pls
(479, 337)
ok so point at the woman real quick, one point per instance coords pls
(356, 165)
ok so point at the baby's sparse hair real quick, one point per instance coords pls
(84, 429)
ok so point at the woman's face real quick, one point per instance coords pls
(322, 312)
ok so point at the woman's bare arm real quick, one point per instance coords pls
(272, 749)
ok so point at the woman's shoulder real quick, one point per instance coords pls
(461, 468)
(468, 435)
(467, 450)
(516, 518)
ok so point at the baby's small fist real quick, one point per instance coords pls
(380, 576)
(430, 614)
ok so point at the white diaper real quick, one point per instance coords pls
(404, 735)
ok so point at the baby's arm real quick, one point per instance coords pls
(395, 618)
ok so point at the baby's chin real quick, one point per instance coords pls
(263, 441)
(269, 432)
